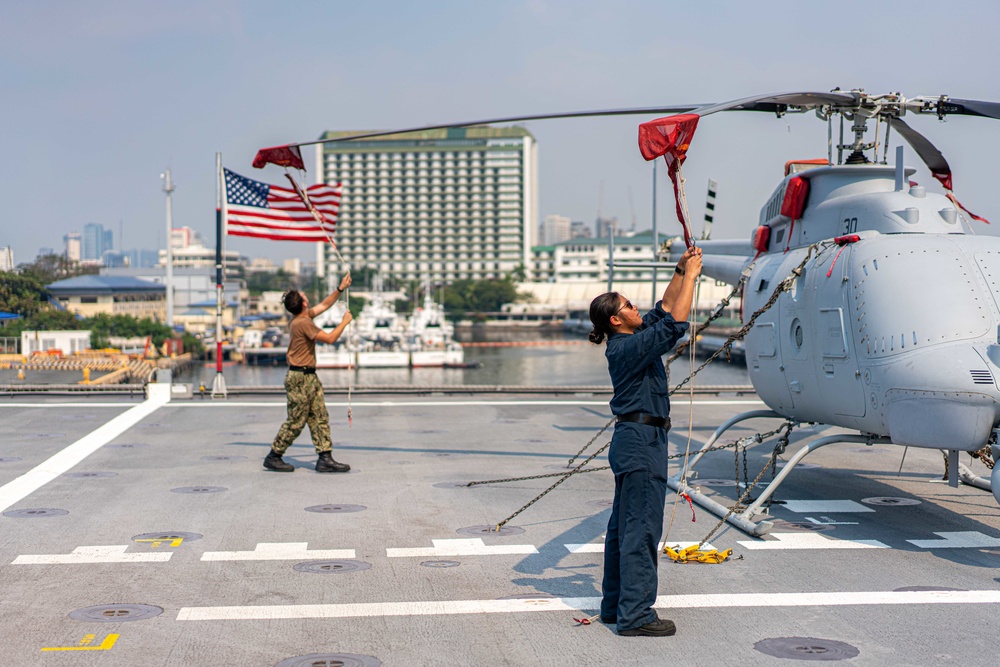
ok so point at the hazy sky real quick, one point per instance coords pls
(99, 97)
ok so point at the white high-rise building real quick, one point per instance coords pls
(73, 246)
(6, 259)
(438, 204)
(555, 229)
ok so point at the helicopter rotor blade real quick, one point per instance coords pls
(775, 102)
(927, 151)
(514, 119)
(969, 108)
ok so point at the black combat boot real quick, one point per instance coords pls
(273, 462)
(325, 463)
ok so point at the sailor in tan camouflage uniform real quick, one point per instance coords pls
(306, 404)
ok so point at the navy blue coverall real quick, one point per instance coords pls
(638, 458)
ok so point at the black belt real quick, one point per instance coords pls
(308, 370)
(643, 418)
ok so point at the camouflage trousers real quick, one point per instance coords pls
(305, 406)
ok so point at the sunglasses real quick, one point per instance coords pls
(628, 304)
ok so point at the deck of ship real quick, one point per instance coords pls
(138, 532)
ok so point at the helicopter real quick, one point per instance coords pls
(838, 274)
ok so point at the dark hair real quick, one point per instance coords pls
(602, 309)
(293, 301)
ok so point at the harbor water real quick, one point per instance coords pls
(520, 358)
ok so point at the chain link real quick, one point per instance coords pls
(772, 461)
(783, 286)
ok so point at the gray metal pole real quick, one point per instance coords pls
(611, 256)
(168, 187)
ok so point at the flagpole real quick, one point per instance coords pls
(219, 383)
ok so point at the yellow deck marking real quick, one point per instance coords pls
(105, 645)
(155, 543)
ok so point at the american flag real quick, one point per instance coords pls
(272, 212)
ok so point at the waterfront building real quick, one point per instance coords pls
(292, 266)
(194, 294)
(439, 204)
(6, 259)
(571, 273)
(112, 295)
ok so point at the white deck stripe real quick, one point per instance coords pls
(443, 608)
(410, 404)
(102, 554)
(64, 460)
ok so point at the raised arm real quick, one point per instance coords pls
(679, 295)
(330, 337)
(323, 305)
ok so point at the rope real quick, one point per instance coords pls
(320, 221)
(783, 286)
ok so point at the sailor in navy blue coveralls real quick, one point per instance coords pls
(638, 458)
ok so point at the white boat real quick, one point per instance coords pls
(341, 354)
(431, 336)
(381, 334)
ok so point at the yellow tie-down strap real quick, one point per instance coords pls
(693, 554)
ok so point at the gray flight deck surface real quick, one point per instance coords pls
(246, 575)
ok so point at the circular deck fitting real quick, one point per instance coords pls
(920, 589)
(439, 454)
(116, 613)
(224, 457)
(127, 445)
(806, 648)
(564, 468)
(802, 465)
(331, 566)
(167, 536)
(336, 508)
(800, 527)
(237, 433)
(490, 530)
(9, 459)
(867, 450)
(35, 512)
(199, 489)
(440, 563)
(44, 435)
(453, 485)
(535, 441)
(890, 501)
(90, 474)
(331, 660)
(426, 431)
(400, 463)
(602, 503)
(154, 426)
(711, 482)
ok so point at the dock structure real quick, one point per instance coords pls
(142, 528)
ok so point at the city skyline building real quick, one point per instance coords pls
(73, 246)
(555, 229)
(438, 204)
(6, 258)
(96, 241)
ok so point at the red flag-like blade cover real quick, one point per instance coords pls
(283, 156)
(667, 136)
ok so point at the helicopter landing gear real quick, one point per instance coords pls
(744, 519)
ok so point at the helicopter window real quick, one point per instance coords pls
(875, 264)
(780, 236)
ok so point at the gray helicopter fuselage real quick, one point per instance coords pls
(895, 331)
